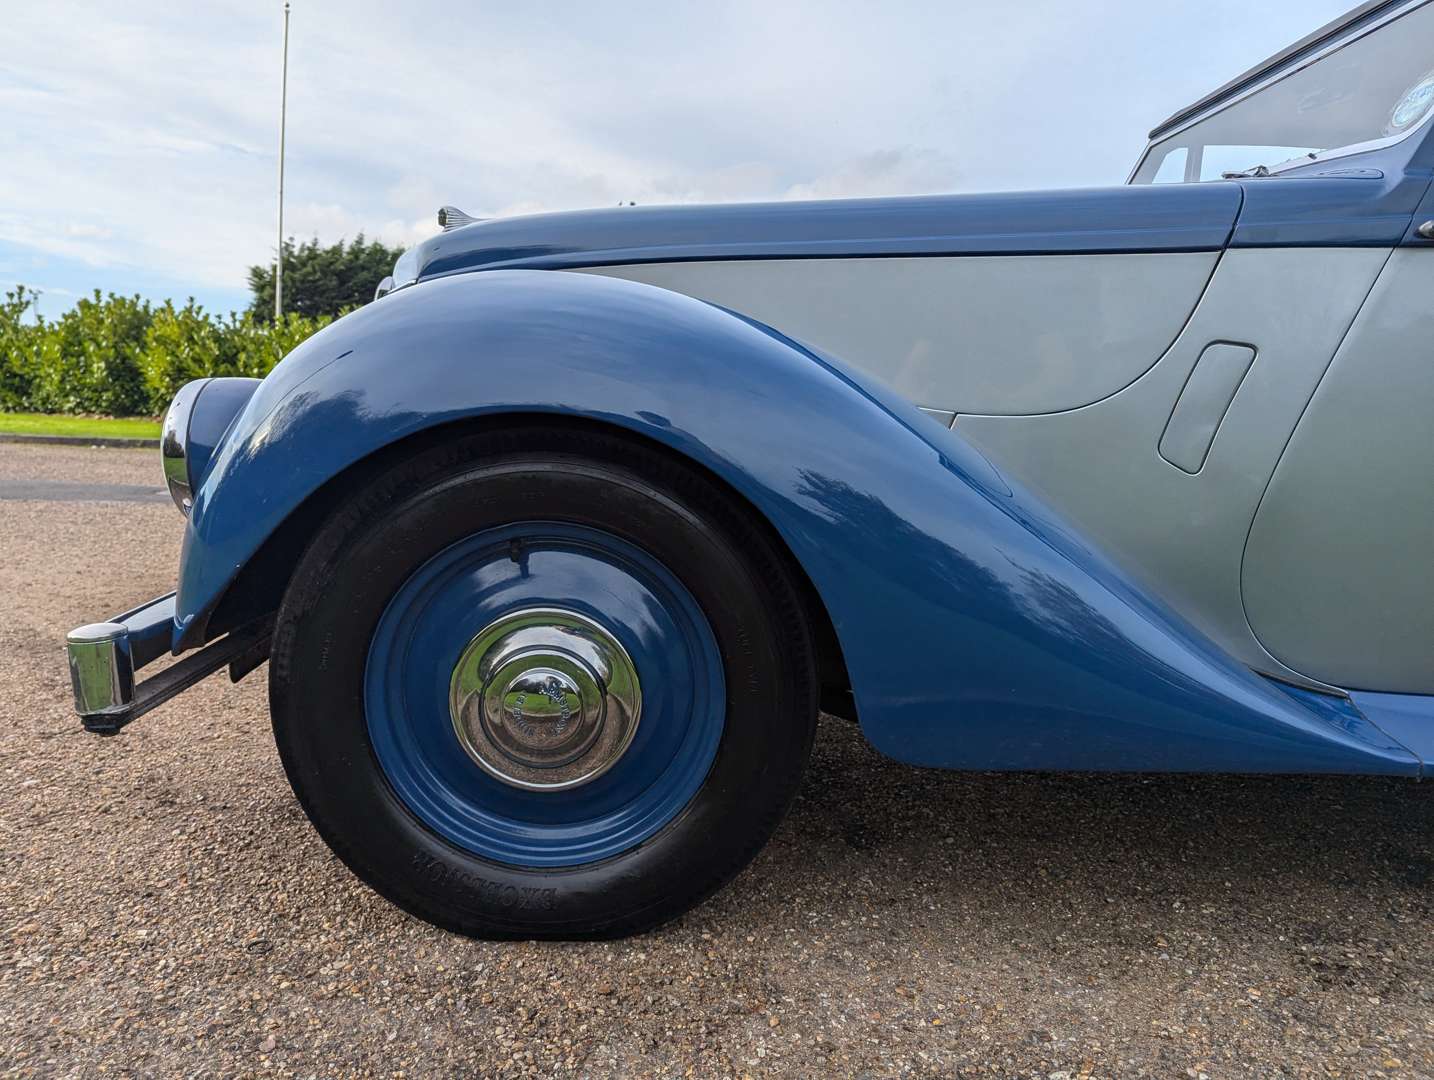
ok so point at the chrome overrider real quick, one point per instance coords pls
(545, 699)
(104, 656)
(101, 668)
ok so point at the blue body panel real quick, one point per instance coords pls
(149, 629)
(1366, 200)
(1363, 201)
(1406, 717)
(1184, 217)
(1327, 212)
(219, 401)
(978, 630)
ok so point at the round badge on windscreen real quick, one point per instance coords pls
(1412, 107)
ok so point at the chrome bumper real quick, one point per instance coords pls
(104, 657)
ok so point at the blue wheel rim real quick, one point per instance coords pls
(449, 599)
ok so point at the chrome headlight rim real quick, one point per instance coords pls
(174, 444)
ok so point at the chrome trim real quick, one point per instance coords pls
(545, 699)
(1331, 154)
(944, 417)
(174, 444)
(101, 668)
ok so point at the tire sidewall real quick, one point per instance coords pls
(364, 555)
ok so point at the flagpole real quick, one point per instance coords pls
(283, 109)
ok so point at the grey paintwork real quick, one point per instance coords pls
(1062, 370)
(999, 334)
(1202, 404)
(1339, 569)
(1185, 533)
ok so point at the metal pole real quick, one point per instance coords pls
(283, 108)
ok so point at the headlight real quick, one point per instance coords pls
(197, 419)
(174, 444)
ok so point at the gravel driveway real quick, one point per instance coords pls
(166, 909)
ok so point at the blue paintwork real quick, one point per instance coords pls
(1325, 212)
(1365, 200)
(1349, 714)
(978, 630)
(1406, 717)
(149, 629)
(219, 401)
(1183, 217)
(1425, 211)
(436, 613)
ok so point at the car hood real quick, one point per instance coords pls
(1176, 217)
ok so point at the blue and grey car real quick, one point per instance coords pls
(556, 549)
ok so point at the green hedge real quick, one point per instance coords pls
(122, 356)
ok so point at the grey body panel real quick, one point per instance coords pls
(1061, 368)
(1202, 404)
(1339, 570)
(985, 334)
(1185, 533)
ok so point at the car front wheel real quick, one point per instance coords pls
(543, 683)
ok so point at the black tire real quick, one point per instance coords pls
(700, 533)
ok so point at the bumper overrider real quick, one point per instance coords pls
(104, 656)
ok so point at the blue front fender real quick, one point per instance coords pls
(978, 630)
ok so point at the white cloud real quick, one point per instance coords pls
(82, 231)
(905, 171)
(144, 135)
(331, 220)
(39, 236)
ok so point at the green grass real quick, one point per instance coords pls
(88, 427)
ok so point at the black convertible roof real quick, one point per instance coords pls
(1370, 9)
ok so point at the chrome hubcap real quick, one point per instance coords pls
(545, 699)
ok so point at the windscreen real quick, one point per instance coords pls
(1373, 88)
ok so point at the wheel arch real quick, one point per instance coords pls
(259, 586)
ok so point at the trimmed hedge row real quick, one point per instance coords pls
(122, 356)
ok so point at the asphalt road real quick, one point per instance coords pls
(166, 909)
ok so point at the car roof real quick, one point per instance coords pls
(1366, 11)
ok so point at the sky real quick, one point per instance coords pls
(139, 140)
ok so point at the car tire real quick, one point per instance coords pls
(642, 628)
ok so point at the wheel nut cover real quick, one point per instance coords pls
(545, 699)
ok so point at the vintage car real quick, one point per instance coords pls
(557, 548)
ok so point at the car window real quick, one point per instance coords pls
(1376, 87)
(1172, 166)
